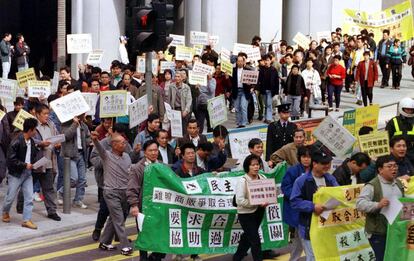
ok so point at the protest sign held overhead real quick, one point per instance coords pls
(138, 111)
(24, 76)
(177, 40)
(203, 68)
(20, 118)
(113, 104)
(167, 65)
(70, 106)
(375, 144)
(38, 89)
(176, 124)
(364, 116)
(91, 99)
(217, 110)
(184, 53)
(199, 38)
(8, 89)
(79, 43)
(197, 78)
(95, 57)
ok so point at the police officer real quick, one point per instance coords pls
(279, 133)
(403, 125)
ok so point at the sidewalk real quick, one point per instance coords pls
(13, 232)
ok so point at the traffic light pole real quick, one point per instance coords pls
(148, 76)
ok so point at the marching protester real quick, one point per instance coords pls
(166, 151)
(268, 86)
(180, 98)
(349, 171)
(295, 89)
(382, 51)
(289, 152)
(396, 58)
(336, 75)
(312, 80)
(376, 195)
(193, 135)
(240, 92)
(367, 75)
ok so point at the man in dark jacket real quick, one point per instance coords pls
(268, 84)
(22, 53)
(187, 166)
(166, 151)
(6, 52)
(240, 92)
(383, 46)
(348, 172)
(21, 156)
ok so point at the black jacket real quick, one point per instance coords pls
(16, 155)
(277, 136)
(343, 175)
(20, 50)
(172, 158)
(272, 85)
(234, 86)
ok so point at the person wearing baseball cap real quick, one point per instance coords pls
(303, 189)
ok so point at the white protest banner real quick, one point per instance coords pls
(112, 104)
(138, 111)
(199, 38)
(261, 191)
(226, 67)
(57, 139)
(184, 53)
(141, 65)
(323, 35)
(165, 65)
(195, 78)
(95, 57)
(38, 88)
(198, 49)
(225, 55)
(69, 106)
(302, 40)
(252, 52)
(217, 110)
(177, 40)
(176, 124)
(20, 118)
(8, 89)
(213, 39)
(239, 140)
(79, 43)
(334, 136)
(91, 99)
(250, 77)
(202, 68)
(2, 114)
(55, 82)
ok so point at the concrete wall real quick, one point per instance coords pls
(271, 19)
(248, 20)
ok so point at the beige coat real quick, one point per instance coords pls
(288, 153)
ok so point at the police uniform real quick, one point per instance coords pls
(400, 125)
(278, 135)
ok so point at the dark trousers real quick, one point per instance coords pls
(250, 238)
(324, 87)
(377, 243)
(396, 74)
(384, 70)
(349, 79)
(250, 110)
(202, 115)
(103, 212)
(366, 92)
(334, 90)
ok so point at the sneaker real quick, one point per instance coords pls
(96, 234)
(54, 216)
(79, 204)
(126, 251)
(29, 224)
(36, 197)
(59, 199)
(178, 258)
(6, 217)
(106, 247)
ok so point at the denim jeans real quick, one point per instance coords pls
(294, 105)
(6, 69)
(306, 244)
(77, 177)
(240, 105)
(22, 67)
(25, 183)
(377, 243)
(267, 98)
(334, 90)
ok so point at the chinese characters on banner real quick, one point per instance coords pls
(261, 191)
(138, 111)
(177, 40)
(203, 68)
(95, 57)
(184, 53)
(302, 40)
(20, 117)
(176, 123)
(79, 43)
(113, 104)
(199, 38)
(197, 215)
(217, 110)
(376, 144)
(91, 99)
(197, 78)
(24, 76)
(250, 77)
(69, 106)
(38, 89)
(364, 116)
(8, 89)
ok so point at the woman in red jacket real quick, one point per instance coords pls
(336, 75)
(367, 75)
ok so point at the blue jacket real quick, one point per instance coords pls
(290, 215)
(302, 196)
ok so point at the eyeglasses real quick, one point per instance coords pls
(391, 166)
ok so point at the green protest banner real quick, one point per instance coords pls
(196, 215)
(400, 235)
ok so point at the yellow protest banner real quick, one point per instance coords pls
(341, 235)
(24, 76)
(226, 67)
(398, 19)
(364, 116)
(20, 118)
(376, 144)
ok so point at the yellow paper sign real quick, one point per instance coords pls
(113, 104)
(2, 114)
(24, 76)
(183, 53)
(365, 116)
(227, 67)
(20, 118)
(376, 144)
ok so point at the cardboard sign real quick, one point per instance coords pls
(177, 40)
(183, 53)
(199, 38)
(138, 111)
(165, 65)
(250, 77)
(375, 144)
(302, 40)
(226, 67)
(213, 39)
(203, 68)
(113, 104)
(8, 89)
(95, 57)
(70, 106)
(334, 136)
(324, 35)
(79, 43)
(195, 78)
(20, 118)
(91, 99)
(262, 191)
(24, 76)
(176, 124)
(38, 89)
(217, 110)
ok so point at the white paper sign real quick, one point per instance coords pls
(249, 77)
(57, 139)
(213, 39)
(38, 88)
(79, 43)
(95, 57)
(91, 98)
(167, 65)
(302, 40)
(55, 82)
(138, 111)
(40, 163)
(262, 191)
(69, 106)
(392, 210)
(203, 68)
(195, 78)
(176, 124)
(199, 38)
(177, 40)
(217, 110)
(239, 141)
(334, 136)
(184, 53)
(141, 65)
(225, 55)
(8, 89)
(112, 104)
(253, 52)
(322, 35)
